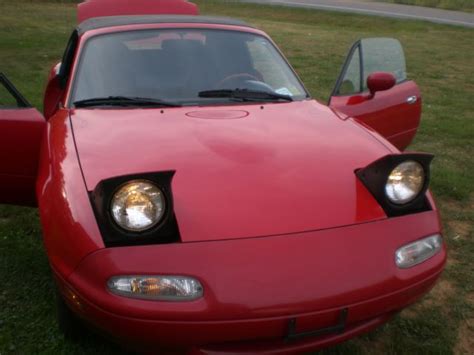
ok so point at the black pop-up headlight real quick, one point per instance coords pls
(399, 182)
(136, 209)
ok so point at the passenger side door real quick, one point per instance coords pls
(394, 113)
(21, 131)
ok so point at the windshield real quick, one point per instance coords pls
(176, 65)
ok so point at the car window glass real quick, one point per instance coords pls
(383, 54)
(266, 62)
(176, 65)
(350, 83)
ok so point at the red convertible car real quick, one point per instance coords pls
(193, 196)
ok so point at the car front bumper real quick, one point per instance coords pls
(254, 288)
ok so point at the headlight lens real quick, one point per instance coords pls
(138, 205)
(160, 288)
(405, 182)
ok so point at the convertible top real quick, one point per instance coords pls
(113, 21)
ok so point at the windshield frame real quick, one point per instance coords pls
(92, 34)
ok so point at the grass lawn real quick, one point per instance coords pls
(441, 60)
(460, 5)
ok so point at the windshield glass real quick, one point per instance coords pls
(177, 64)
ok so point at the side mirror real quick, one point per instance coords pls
(53, 92)
(380, 81)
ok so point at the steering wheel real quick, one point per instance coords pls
(235, 80)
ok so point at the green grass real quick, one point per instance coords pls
(460, 5)
(440, 59)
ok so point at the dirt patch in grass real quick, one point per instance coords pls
(465, 343)
(375, 346)
(411, 312)
(440, 293)
(470, 299)
(438, 296)
(461, 229)
(455, 205)
(452, 259)
(458, 217)
(451, 205)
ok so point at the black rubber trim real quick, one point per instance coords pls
(375, 175)
(19, 98)
(361, 67)
(165, 232)
(345, 66)
(335, 329)
(68, 59)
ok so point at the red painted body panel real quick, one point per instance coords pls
(380, 81)
(21, 133)
(284, 347)
(388, 112)
(70, 231)
(264, 335)
(252, 287)
(295, 161)
(99, 8)
(53, 94)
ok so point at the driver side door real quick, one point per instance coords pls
(21, 131)
(394, 113)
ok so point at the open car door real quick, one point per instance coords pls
(394, 113)
(21, 131)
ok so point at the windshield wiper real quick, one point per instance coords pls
(246, 95)
(124, 101)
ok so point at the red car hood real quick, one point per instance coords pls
(241, 171)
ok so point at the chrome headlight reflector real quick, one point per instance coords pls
(405, 182)
(160, 288)
(138, 205)
(415, 253)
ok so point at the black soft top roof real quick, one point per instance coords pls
(111, 21)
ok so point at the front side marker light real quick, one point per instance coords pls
(415, 253)
(159, 288)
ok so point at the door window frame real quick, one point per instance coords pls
(21, 101)
(356, 46)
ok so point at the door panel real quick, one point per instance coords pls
(21, 131)
(394, 113)
(389, 112)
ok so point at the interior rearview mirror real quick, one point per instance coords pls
(380, 81)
